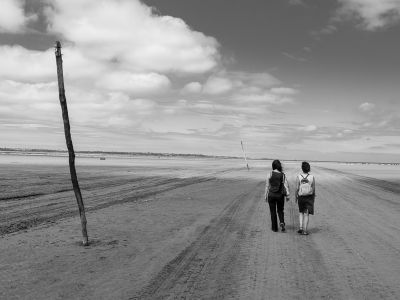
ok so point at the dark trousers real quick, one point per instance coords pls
(276, 204)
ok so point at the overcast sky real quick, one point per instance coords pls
(293, 79)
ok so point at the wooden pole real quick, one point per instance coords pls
(71, 153)
(245, 158)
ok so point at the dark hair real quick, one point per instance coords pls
(305, 166)
(276, 165)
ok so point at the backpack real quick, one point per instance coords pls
(305, 188)
(276, 183)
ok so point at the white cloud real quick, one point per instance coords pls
(12, 16)
(284, 91)
(308, 128)
(294, 57)
(137, 39)
(240, 88)
(217, 85)
(11, 91)
(263, 98)
(225, 82)
(198, 124)
(366, 106)
(20, 64)
(134, 83)
(29, 102)
(115, 69)
(38, 103)
(262, 80)
(328, 29)
(372, 14)
(78, 65)
(192, 88)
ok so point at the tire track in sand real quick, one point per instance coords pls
(238, 256)
(206, 268)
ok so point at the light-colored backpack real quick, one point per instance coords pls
(305, 188)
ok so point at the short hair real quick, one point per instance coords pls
(305, 166)
(276, 165)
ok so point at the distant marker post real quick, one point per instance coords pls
(244, 155)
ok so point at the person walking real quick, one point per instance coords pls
(305, 196)
(276, 190)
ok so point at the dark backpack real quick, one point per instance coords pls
(276, 184)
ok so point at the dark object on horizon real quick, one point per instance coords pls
(102, 158)
(71, 153)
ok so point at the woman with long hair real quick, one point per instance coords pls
(277, 189)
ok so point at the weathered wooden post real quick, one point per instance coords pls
(71, 153)
(245, 157)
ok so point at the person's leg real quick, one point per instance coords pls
(305, 222)
(280, 207)
(272, 209)
(301, 217)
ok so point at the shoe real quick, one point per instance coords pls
(283, 227)
(305, 232)
(300, 231)
(275, 230)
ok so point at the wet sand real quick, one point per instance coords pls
(194, 228)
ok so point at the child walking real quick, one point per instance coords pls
(305, 196)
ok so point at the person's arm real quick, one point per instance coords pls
(286, 184)
(313, 186)
(296, 195)
(267, 187)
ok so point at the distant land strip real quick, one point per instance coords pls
(65, 152)
(26, 151)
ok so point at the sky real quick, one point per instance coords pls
(292, 79)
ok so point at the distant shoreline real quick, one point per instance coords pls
(47, 152)
(101, 154)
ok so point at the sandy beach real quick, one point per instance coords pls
(194, 228)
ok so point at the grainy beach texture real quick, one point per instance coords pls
(194, 228)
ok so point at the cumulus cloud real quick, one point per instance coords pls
(234, 91)
(217, 85)
(25, 93)
(371, 14)
(22, 103)
(134, 83)
(29, 103)
(127, 75)
(12, 16)
(192, 88)
(232, 81)
(138, 39)
(241, 88)
(20, 64)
